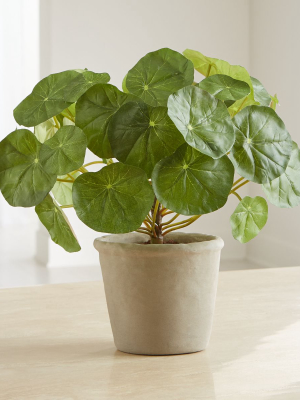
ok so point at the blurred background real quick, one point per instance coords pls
(38, 38)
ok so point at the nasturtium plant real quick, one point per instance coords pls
(164, 145)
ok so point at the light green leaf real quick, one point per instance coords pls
(191, 183)
(57, 224)
(62, 191)
(203, 121)
(211, 66)
(224, 87)
(93, 114)
(141, 135)
(65, 151)
(263, 146)
(24, 181)
(115, 199)
(284, 191)
(158, 74)
(249, 218)
(274, 102)
(260, 93)
(45, 130)
(67, 121)
(124, 87)
(52, 95)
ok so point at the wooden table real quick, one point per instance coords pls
(56, 344)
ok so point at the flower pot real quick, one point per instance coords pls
(160, 298)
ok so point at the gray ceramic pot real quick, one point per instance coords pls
(160, 298)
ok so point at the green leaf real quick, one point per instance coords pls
(45, 130)
(158, 74)
(284, 191)
(274, 101)
(115, 199)
(249, 218)
(204, 65)
(263, 146)
(124, 87)
(93, 114)
(52, 95)
(260, 93)
(57, 224)
(191, 183)
(89, 80)
(24, 181)
(62, 191)
(141, 135)
(65, 151)
(224, 87)
(203, 121)
(211, 66)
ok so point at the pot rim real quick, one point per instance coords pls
(131, 242)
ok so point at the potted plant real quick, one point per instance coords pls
(167, 147)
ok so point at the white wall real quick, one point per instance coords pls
(275, 60)
(112, 36)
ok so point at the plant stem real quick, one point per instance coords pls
(146, 233)
(69, 206)
(71, 117)
(236, 194)
(93, 162)
(167, 213)
(237, 181)
(71, 177)
(239, 186)
(154, 216)
(178, 223)
(64, 180)
(182, 226)
(145, 229)
(56, 122)
(170, 220)
(146, 223)
(82, 169)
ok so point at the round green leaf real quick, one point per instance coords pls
(52, 95)
(45, 130)
(65, 151)
(210, 66)
(141, 135)
(260, 93)
(224, 87)
(24, 181)
(263, 146)
(93, 113)
(249, 218)
(158, 74)
(203, 121)
(284, 191)
(57, 224)
(191, 183)
(115, 199)
(62, 191)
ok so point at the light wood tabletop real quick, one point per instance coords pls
(56, 344)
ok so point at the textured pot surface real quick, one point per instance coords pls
(160, 298)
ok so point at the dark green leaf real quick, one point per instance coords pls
(191, 183)
(65, 151)
(57, 224)
(249, 218)
(52, 95)
(115, 199)
(263, 146)
(24, 181)
(158, 74)
(89, 80)
(203, 121)
(223, 87)
(141, 135)
(260, 93)
(93, 113)
(284, 191)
